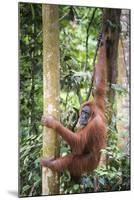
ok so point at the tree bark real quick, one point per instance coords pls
(123, 111)
(111, 23)
(111, 30)
(51, 85)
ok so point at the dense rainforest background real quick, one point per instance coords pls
(79, 28)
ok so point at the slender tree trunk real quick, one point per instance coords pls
(51, 63)
(123, 111)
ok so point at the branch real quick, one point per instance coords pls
(94, 59)
(89, 24)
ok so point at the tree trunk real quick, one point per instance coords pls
(51, 64)
(111, 29)
(123, 111)
(111, 22)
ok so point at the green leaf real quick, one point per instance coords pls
(30, 175)
(101, 181)
(76, 187)
(25, 188)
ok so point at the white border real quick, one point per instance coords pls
(9, 98)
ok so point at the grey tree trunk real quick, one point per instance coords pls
(123, 111)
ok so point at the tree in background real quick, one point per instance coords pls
(31, 101)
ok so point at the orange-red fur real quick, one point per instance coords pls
(86, 144)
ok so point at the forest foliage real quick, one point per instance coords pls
(79, 28)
